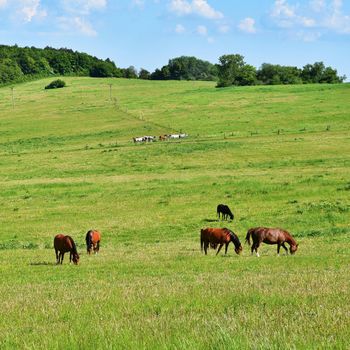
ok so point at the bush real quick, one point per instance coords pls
(56, 84)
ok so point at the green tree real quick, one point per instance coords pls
(144, 74)
(101, 69)
(230, 70)
(9, 71)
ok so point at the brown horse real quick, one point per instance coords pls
(64, 244)
(93, 239)
(271, 236)
(219, 236)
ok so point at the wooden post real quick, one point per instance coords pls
(13, 97)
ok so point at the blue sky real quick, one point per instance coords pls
(147, 33)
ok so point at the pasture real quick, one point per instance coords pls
(277, 155)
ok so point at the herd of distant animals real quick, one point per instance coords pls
(160, 138)
(209, 236)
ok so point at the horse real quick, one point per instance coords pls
(149, 138)
(225, 212)
(64, 244)
(163, 137)
(174, 136)
(219, 236)
(138, 139)
(271, 236)
(93, 239)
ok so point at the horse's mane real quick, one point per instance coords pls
(73, 245)
(234, 237)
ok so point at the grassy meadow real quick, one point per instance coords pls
(277, 155)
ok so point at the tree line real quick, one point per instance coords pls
(20, 64)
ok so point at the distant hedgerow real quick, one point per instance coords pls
(56, 84)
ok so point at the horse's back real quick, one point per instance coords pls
(215, 235)
(62, 242)
(95, 236)
(269, 234)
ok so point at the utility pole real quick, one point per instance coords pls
(13, 98)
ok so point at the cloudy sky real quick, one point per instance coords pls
(146, 33)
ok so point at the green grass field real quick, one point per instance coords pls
(277, 155)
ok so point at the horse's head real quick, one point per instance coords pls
(76, 258)
(239, 249)
(293, 248)
(234, 239)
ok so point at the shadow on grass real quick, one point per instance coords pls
(42, 263)
(210, 220)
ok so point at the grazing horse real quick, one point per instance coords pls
(225, 212)
(174, 136)
(64, 244)
(271, 236)
(93, 239)
(163, 137)
(138, 139)
(219, 236)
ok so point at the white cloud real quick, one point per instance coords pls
(317, 5)
(180, 7)
(338, 21)
(202, 30)
(198, 7)
(288, 16)
(282, 9)
(26, 10)
(180, 29)
(83, 7)
(73, 24)
(3, 3)
(310, 22)
(247, 25)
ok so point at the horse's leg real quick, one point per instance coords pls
(256, 246)
(278, 249)
(206, 245)
(220, 246)
(62, 256)
(56, 251)
(285, 248)
(226, 246)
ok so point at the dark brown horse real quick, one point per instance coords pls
(271, 236)
(64, 244)
(225, 212)
(93, 239)
(219, 236)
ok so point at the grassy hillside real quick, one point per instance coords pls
(277, 155)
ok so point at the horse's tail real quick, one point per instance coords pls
(202, 242)
(247, 237)
(88, 240)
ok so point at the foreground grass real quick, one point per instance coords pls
(278, 156)
(169, 296)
